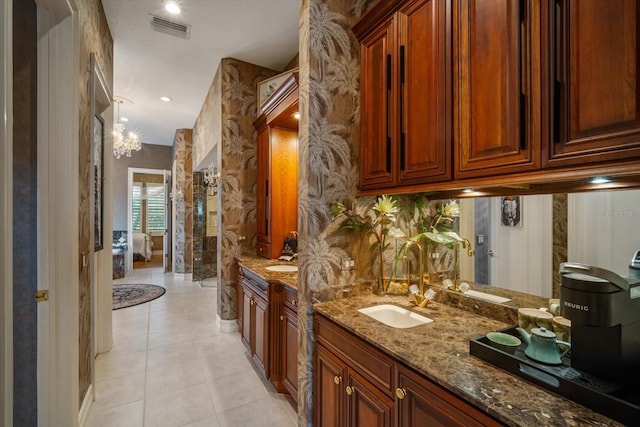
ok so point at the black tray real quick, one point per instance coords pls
(621, 403)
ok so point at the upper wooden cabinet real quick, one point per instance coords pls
(593, 81)
(496, 90)
(487, 93)
(405, 110)
(277, 167)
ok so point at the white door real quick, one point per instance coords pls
(6, 213)
(520, 255)
(58, 214)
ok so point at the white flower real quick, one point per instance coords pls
(386, 205)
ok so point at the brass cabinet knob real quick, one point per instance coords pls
(401, 393)
(294, 302)
(337, 379)
(350, 390)
(281, 317)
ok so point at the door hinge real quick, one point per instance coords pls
(42, 295)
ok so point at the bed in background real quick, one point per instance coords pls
(142, 246)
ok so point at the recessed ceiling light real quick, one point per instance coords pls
(600, 180)
(468, 190)
(165, 99)
(296, 115)
(124, 119)
(172, 7)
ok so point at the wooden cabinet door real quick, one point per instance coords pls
(595, 80)
(329, 383)
(366, 406)
(495, 91)
(290, 351)
(425, 130)
(247, 315)
(261, 333)
(378, 84)
(422, 403)
(262, 187)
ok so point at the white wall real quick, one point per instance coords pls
(604, 229)
(523, 255)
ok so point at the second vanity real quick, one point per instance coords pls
(367, 373)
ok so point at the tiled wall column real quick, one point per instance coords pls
(183, 202)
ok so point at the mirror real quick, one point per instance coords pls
(519, 242)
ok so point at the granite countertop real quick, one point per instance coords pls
(257, 265)
(440, 351)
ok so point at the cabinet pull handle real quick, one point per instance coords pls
(281, 317)
(401, 107)
(294, 302)
(266, 207)
(557, 41)
(350, 390)
(337, 379)
(401, 393)
(521, 57)
(388, 153)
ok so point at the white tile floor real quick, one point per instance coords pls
(170, 366)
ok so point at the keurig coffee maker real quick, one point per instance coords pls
(634, 267)
(604, 309)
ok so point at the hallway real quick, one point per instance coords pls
(170, 366)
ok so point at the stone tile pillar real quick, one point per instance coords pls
(183, 202)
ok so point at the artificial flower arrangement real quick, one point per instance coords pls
(377, 225)
(435, 225)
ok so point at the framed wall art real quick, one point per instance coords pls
(511, 211)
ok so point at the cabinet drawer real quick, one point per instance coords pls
(291, 299)
(263, 249)
(374, 366)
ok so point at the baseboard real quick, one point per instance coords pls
(226, 325)
(183, 276)
(209, 283)
(87, 404)
(158, 252)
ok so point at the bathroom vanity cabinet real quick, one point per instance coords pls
(356, 384)
(268, 323)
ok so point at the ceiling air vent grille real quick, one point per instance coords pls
(172, 28)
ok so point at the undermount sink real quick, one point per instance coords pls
(394, 316)
(283, 268)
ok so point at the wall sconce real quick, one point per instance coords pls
(211, 178)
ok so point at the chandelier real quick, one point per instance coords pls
(211, 178)
(124, 142)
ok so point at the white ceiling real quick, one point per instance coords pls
(149, 64)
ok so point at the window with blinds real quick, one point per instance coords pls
(136, 207)
(147, 207)
(155, 208)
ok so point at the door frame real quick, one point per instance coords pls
(6, 213)
(58, 213)
(130, 172)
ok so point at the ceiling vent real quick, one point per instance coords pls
(172, 28)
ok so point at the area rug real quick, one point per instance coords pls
(131, 294)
